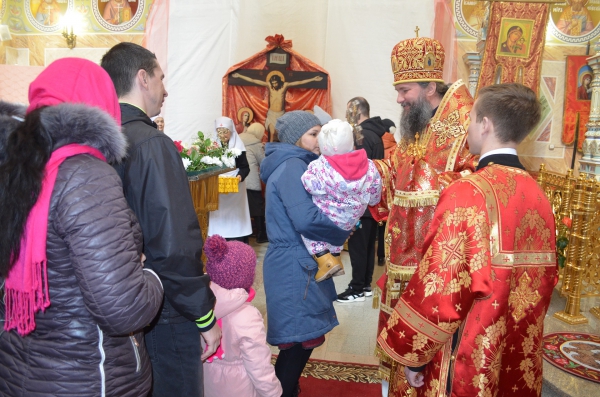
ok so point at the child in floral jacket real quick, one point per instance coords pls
(343, 182)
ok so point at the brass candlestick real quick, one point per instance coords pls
(583, 207)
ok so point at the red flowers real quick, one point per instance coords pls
(179, 146)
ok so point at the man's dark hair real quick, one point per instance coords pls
(440, 88)
(123, 61)
(513, 109)
(362, 105)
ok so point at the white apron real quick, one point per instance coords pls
(232, 219)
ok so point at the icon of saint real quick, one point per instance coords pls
(515, 42)
(117, 12)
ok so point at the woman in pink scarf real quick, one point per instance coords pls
(76, 295)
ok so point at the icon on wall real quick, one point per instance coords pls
(578, 79)
(45, 15)
(470, 15)
(584, 80)
(575, 21)
(515, 37)
(117, 12)
(118, 15)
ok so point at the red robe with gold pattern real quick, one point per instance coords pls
(412, 180)
(487, 275)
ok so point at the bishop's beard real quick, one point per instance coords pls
(415, 119)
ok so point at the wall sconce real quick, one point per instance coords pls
(71, 37)
(69, 22)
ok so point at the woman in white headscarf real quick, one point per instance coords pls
(232, 219)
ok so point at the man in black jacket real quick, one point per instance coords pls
(156, 187)
(361, 245)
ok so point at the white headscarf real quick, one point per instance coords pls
(234, 141)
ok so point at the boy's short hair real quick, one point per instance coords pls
(122, 63)
(513, 109)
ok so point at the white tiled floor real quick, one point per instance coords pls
(354, 339)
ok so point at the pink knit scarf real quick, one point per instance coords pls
(26, 289)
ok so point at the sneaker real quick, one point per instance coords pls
(351, 295)
(368, 291)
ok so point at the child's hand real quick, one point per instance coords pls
(143, 259)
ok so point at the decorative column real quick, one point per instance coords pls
(590, 163)
(473, 61)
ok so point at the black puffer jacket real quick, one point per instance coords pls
(372, 130)
(86, 343)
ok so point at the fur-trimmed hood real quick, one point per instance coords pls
(8, 122)
(76, 123)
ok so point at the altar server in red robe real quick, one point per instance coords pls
(470, 321)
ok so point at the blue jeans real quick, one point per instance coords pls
(174, 351)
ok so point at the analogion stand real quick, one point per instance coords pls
(204, 187)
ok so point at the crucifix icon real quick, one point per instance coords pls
(277, 79)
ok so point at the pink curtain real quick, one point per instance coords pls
(156, 35)
(445, 32)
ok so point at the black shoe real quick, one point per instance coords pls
(380, 261)
(262, 238)
(368, 291)
(351, 295)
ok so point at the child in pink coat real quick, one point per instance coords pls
(241, 367)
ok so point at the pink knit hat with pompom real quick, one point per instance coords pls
(231, 264)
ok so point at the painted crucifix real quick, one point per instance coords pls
(277, 82)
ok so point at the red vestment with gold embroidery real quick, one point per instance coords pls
(412, 180)
(487, 274)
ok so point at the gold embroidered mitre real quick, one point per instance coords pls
(418, 59)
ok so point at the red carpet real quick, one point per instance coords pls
(333, 379)
(575, 353)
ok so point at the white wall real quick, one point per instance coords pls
(351, 39)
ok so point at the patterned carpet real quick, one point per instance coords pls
(576, 353)
(345, 372)
(334, 379)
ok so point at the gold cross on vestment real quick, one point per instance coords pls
(522, 297)
(417, 31)
(415, 149)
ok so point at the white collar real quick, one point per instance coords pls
(504, 150)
